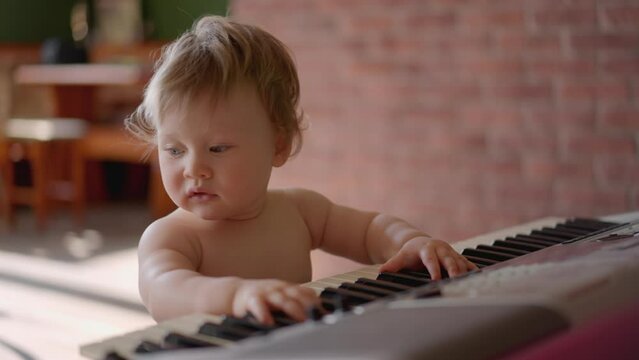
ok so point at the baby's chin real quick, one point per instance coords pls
(218, 215)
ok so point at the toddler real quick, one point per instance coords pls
(222, 109)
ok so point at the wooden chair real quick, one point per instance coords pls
(114, 144)
(50, 148)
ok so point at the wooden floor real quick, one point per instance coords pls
(40, 323)
(68, 287)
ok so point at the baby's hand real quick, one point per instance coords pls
(432, 253)
(261, 297)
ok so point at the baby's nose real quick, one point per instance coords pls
(197, 169)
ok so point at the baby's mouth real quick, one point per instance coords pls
(200, 195)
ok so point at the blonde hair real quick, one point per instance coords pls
(214, 56)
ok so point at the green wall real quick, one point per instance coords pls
(31, 21)
(34, 20)
(170, 18)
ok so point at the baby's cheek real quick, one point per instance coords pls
(173, 186)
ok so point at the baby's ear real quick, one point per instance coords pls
(282, 149)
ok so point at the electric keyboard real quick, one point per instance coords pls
(534, 280)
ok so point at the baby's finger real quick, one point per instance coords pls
(306, 296)
(448, 258)
(470, 265)
(295, 309)
(260, 310)
(462, 263)
(289, 305)
(393, 264)
(429, 258)
(451, 266)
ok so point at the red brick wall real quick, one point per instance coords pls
(465, 116)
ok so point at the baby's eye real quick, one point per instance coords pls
(173, 151)
(219, 148)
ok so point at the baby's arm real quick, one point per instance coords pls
(171, 286)
(370, 237)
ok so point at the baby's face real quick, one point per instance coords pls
(216, 157)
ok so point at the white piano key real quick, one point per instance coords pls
(329, 283)
(351, 277)
(317, 288)
(125, 345)
(487, 239)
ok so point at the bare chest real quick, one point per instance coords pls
(272, 247)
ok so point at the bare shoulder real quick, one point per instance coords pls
(304, 198)
(171, 233)
(313, 207)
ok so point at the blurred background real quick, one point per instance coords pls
(461, 116)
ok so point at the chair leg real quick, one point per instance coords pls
(48, 164)
(6, 185)
(40, 181)
(78, 179)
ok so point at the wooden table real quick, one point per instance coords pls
(74, 87)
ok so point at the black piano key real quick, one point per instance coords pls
(424, 273)
(333, 304)
(581, 226)
(282, 319)
(542, 235)
(563, 232)
(375, 291)
(314, 313)
(532, 240)
(591, 224)
(554, 231)
(383, 284)
(487, 254)
(503, 250)
(402, 279)
(480, 261)
(328, 304)
(113, 356)
(591, 228)
(146, 347)
(603, 227)
(538, 237)
(351, 297)
(420, 274)
(444, 273)
(244, 323)
(574, 229)
(175, 340)
(602, 224)
(519, 244)
(225, 332)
